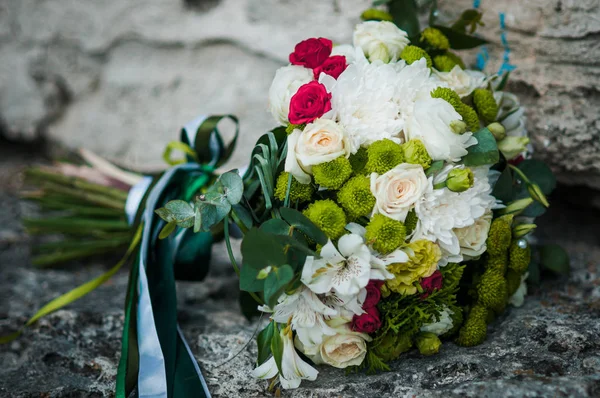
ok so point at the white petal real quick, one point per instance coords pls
(291, 162)
(330, 254)
(350, 244)
(356, 229)
(267, 370)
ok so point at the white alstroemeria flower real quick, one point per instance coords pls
(380, 40)
(321, 141)
(431, 124)
(442, 324)
(293, 368)
(287, 81)
(308, 314)
(344, 272)
(463, 82)
(518, 297)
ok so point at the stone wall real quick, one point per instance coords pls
(121, 77)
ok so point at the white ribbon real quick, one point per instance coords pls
(134, 198)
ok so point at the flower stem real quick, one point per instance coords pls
(94, 198)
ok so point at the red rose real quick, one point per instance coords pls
(310, 102)
(431, 283)
(373, 294)
(311, 53)
(368, 322)
(333, 66)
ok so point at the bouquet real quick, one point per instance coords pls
(389, 210)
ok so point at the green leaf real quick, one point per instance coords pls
(180, 209)
(167, 229)
(539, 173)
(249, 281)
(260, 249)
(263, 341)
(434, 168)
(484, 152)
(234, 186)
(503, 82)
(243, 214)
(555, 258)
(277, 347)
(276, 283)
(405, 16)
(460, 41)
(503, 189)
(299, 221)
(276, 226)
(469, 18)
(248, 306)
(165, 214)
(534, 273)
(197, 219)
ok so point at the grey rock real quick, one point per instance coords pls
(548, 347)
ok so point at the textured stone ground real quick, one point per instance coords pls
(549, 347)
(121, 77)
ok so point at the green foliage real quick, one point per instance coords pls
(385, 234)
(405, 14)
(390, 346)
(328, 217)
(492, 291)
(411, 54)
(298, 192)
(333, 174)
(356, 198)
(276, 283)
(459, 40)
(302, 223)
(277, 347)
(555, 258)
(484, 152)
(474, 330)
(359, 160)
(434, 39)
(263, 341)
(383, 156)
(485, 104)
(519, 258)
(415, 153)
(468, 19)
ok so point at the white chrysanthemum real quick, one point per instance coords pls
(287, 81)
(431, 124)
(518, 297)
(440, 211)
(345, 50)
(372, 101)
(441, 325)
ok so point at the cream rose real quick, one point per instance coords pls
(380, 40)
(286, 83)
(345, 348)
(398, 190)
(472, 238)
(321, 141)
(463, 82)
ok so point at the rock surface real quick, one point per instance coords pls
(120, 78)
(548, 347)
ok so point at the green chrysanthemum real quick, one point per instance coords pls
(356, 197)
(485, 104)
(500, 235)
(359, 160)
(333, 174)
(446, 62)
(416, 153)
(468, 114)
(411, 54)
(385, 234)
(519, 257)
(410, 223)
(328, 216)
(497, 262)
(474, 330)
(513, 281)
(392, 345)
(428, 343)
(298, 192)
(492, 291)
(435, 39)
(383, 155)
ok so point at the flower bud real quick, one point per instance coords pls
(512, 146)
(497, 130)
(536, 193)
(458, 126)
(373, 14)
(428, 343)
(381, 53)
(521, 230)
(263, 273)
(517, 206)
(459, 180)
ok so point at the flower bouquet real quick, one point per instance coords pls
(389, 210)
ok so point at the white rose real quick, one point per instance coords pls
(345, 348)
(431, 124)
(321, 141)
(380, 40)
(463, 82)
(472, 238)
(398, 190)
(286, 83)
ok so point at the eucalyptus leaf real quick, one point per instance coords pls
(276, 226)
(539, 173)
(503, 189)
(554, 258)
(249, 281)
(405, 16)
(434, 168)
(180, 209)
(276, 283)
(484, 152)
(243, 214)
(263, 341)
(234, 186)
(459, 40)
(277, 347)
(261, 249)
(167, 230)
(299, 221)
(165, 214)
